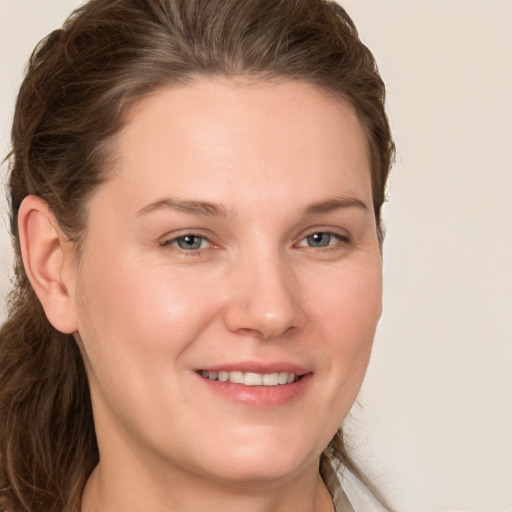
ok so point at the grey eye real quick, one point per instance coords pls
(319, 239)
(190, 242)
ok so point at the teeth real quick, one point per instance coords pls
(250, 378)
(236, 377)
(270, 379)
(282, 378)
(253, 379)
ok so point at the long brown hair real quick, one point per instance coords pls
(80, 83)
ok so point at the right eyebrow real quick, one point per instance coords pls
(194, 207)
(336, 203)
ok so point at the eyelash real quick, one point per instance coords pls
(339, 239)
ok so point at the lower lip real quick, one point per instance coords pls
(261, 397)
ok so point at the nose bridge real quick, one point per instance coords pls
(266, 299)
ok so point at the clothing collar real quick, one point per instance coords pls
(339, 498)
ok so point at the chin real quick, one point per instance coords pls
(263, 463)
(268, 473)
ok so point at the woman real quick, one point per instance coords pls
(196, 190)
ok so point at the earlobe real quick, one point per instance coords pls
(44, 257)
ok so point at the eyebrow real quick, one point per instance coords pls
(336, 203)
(186, 206)
(209, 209)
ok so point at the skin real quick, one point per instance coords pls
(279, 161)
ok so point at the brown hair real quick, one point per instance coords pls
(80, 82)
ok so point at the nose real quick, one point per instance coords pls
(264, 299)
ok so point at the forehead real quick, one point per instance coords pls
(225, 138)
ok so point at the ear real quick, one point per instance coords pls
(45, 252)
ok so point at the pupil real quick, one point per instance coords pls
(319, 239)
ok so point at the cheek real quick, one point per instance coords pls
(137, 326)
(346, 314)
(349, 299)
(139, 318)
(126, 294)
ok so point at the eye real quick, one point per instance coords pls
(190, 242)
(320, 240)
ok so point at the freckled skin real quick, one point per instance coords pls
(151, 313)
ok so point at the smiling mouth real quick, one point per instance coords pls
(250, 378)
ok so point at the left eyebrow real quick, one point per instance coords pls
(186, 206)
(336, 203)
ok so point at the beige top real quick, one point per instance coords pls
(339, 498)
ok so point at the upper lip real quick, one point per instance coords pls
(258, 367)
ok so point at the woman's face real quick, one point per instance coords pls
(236, 241)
